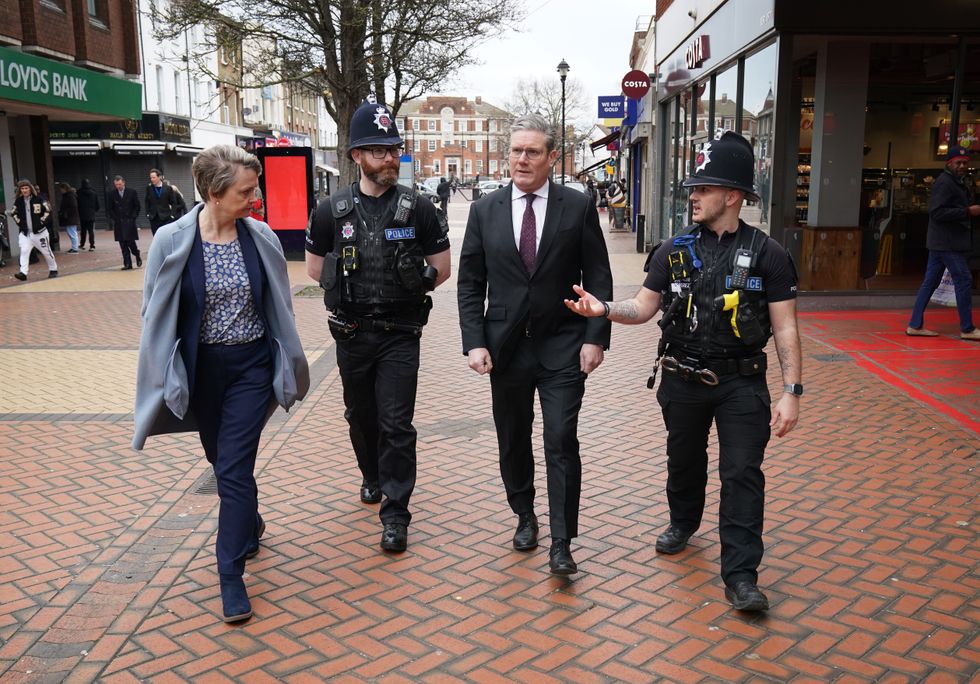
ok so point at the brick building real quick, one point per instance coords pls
(454, 136)
(64, 61)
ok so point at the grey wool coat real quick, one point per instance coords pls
(162, 387)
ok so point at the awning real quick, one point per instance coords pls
(602, 142)
(185, 150)
(596, 165)
(329, 169)
(76, 148)
(139, 148)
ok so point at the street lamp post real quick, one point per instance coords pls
(563, 70)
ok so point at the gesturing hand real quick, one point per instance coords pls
(587, 305)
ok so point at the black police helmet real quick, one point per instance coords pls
(373, 124)
(727, 162)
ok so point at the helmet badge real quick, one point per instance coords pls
(382, 119)
(703, 158)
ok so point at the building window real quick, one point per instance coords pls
(432, 146)
(418, 165)
(178, 105)
(493, 144)
(432, 124)
(478, 145)
(415, 124)
(493, 125)
(418, 145)
(479, 166)
(468, 166)
(493, 166)
(436, 167)
(159, 72)
(462, 144)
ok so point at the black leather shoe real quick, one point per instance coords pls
(370, 492)
(672, 541)
(560, 558)
(139, 261)
(20, 276)
(126, 268)
(526, 536)
(746, 596)
(394, 537)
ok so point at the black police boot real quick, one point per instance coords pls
(526, 536)
(744, 595)
(394, 537)
(560, 558)
(672, 541)
(370, 492)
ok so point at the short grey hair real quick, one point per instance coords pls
(535, 122)
(215, 168)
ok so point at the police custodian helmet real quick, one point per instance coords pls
(727, 162)
(372, 124)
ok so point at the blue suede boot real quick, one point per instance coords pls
(234, 599)
(253, 547)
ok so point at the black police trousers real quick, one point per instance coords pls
(380, 372)
(740, 409)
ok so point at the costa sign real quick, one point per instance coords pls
(636, 84)
(697, 52)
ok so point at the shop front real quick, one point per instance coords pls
(101, 151)
(37, 93)
(849, 108)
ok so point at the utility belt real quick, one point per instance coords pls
(346, 326)
(712, 371)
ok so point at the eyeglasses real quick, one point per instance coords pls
(382, 152)
(533, 153)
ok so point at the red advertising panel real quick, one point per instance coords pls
(287, 186)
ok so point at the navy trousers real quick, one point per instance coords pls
(380, 373)
(740, 409)
(560, 393)
(231, 399)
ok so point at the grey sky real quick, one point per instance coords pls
(593, 37)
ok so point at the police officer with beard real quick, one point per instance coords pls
(725, 288)
(376, 248)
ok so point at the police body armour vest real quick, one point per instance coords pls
(713, 337)
(382, 243)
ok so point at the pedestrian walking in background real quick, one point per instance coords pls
(159, 201)
(377, 249)
(32, 214)
(88, 205)
(123, 209)
(443, 190)
(219, 348)
(523, 249)
(949, 241)
(726, 288)
(257, 209)
(180, 205)
(68, 214)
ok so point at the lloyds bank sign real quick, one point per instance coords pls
(45, 82)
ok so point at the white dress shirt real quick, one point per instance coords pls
(517, 206)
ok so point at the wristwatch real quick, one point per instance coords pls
(795, 389)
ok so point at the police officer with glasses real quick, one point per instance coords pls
(725, 288)
(377, 248)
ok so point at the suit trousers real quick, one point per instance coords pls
(231, 398)
(129, 250)
(560, 393)
(740, 408)
(380, 372)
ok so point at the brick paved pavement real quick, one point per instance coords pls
(107, 570)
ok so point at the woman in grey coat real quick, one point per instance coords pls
(219, 348)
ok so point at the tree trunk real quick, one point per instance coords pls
(348, 169)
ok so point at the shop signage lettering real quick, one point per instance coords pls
(611, 107)
(28, 78)
(697, 52)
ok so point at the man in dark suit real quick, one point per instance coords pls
(525, 245)
(160, 200)
(124, 207)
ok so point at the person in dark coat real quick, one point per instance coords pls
(88, 204)
(160, 201)
(443, 190)
(68, 214)
(124, 207)
(949, 241)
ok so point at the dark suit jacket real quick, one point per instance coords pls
(572, 251)
(124, 211)
(162, 208)
(192, 288)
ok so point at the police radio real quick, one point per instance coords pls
(740, 269)
(403, 212)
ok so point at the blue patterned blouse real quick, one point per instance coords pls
(230, 316)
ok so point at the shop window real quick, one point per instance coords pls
(724, 105)
(678, 167)
(757, 127)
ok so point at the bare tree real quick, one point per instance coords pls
(543, 96)
(344, 49)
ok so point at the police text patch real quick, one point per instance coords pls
(406, 233)
(753, 284)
